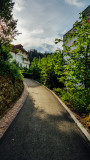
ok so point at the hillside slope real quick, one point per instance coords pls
(9, 93)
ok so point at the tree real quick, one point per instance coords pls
(77, 67)
(48, 69)
(7, 22)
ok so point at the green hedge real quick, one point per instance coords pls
(27, 75)
(10, 69)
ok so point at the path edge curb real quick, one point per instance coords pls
(12, 113)
(80, 126)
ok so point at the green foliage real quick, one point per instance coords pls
(15, 72)
(27, 75)
(7, 68)
(5, 52)
(58, 91)
(68, 72)
(10, 69)
(78, 98)
(11, 79)
(34, 53)
(48, 70)
(6, 7)
(7, 23)
(52, 70)
(17, 64)
(77, 66)
(9, 93)
(35, 69)
(7, 30)
(26, 72)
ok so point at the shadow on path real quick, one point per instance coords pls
(36, 135)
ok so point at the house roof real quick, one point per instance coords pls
(15, 48)
(87, 11)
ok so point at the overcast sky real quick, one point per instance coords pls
(41, 21)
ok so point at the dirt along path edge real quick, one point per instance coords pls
(78, 123)
(11, 114)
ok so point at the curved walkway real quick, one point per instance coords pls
(43, 130)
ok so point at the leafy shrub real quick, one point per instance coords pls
(5, 53)
(10, 69)
(11, 80)
(48, 70)
(27, 75)
(15, 73)
(58, 91)
(79, 99)
(35, 69)
(9, 93)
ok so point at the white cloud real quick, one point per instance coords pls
(37, 31)
(19, 6)
(40, 22)
(34, 38)
(30, 42)
(27, 39)
(74, 2)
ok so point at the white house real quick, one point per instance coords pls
(71, 41)
(20, 55)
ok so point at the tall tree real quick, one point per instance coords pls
(78, 54)
(7, 22)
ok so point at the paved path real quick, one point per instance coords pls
(43, 130)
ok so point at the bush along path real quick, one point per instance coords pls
(9, 93)
(43, 130)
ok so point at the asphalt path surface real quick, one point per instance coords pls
(43, 130)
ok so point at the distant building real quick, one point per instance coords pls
(87, 11)
(20, 55)
(70, 42)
